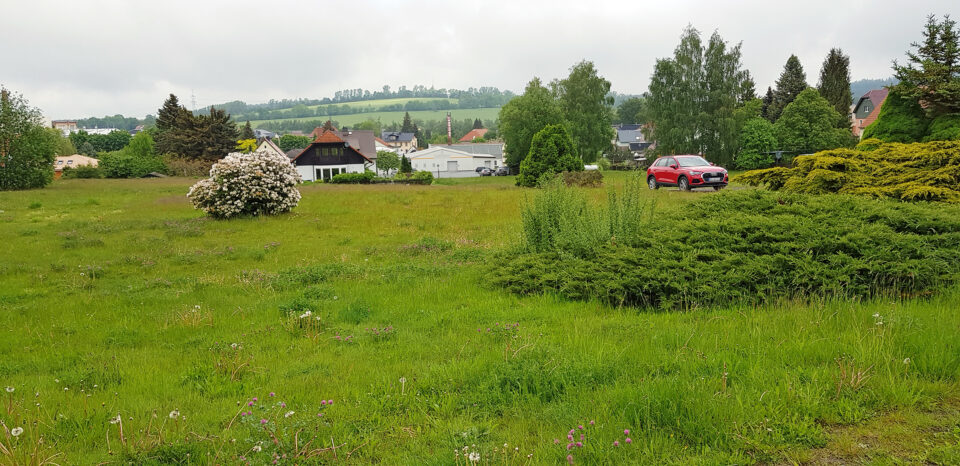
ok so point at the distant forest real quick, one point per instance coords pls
(483, 97)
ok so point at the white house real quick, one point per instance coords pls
(445, 161)
(269, 146)
(327, 156)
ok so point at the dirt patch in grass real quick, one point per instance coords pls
(908, 436)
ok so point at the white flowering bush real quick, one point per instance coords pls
(257, 183)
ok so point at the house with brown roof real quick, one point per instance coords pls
(329, 155)
(477, 133)
(364, 141)
(866, 110)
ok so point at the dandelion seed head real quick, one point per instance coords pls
(16, 431)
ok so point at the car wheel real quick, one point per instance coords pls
(652, 182)
(683, 184)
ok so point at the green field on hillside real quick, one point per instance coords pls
(363, 328)
(390, 117)
(382, 102)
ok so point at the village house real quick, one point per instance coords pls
(72, 161)
(382, 145)
(65, 126)
(329, 155)
(405, 142)
(267, 145)
(477, 133)
(451, 162)
(866, 110)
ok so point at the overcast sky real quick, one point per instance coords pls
(93, 58)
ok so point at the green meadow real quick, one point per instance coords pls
(364, 327)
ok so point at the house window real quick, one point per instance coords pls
(69, 162)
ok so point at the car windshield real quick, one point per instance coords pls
(692, 161)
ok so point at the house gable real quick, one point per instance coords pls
(330, 153)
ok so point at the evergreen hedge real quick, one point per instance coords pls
(909, 172)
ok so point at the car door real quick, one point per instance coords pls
(657, 169)
(669, 173)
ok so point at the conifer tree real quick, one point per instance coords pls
(405, 166)
(407, 126)
(477, 124)
(247, 132)
(767, 102)
(328, 126)
(834, 83)
(932, 73)
(792, 82)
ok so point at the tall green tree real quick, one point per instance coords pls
(791, 83)
(176, 129)
(809, 124)
(524, 116)
(834, 84)
(217, 134)
(407, 126)
(932, 72)
(247, 132)
(387, 161)
(586, 105)
(405, 166)
(676, 97)
(632, 111)
(27, 149)
(767, 102)
(292, 141)
(477, 124)
(694, 97)
(551, 151)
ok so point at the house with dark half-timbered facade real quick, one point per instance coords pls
(327, 156)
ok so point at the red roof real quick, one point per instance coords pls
(328, 136)
(877, 97)
(474, 134)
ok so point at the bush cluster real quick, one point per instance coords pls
(743, 247)
(910, 172)
(82, 171)
(123, 164)
(353, 178)
(257, 183)
(586, 179)
(419, 177)
(182, 166)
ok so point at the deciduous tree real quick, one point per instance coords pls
(586, 107)
(809, 124)
(523, 117)
(27, 149)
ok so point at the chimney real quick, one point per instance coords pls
(449, 132)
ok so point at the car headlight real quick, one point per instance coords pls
(696, 173)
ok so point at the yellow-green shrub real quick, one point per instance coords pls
(909, 172)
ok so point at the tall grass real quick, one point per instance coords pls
(560, 218)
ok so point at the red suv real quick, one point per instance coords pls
(685, 172)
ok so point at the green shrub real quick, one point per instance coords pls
(744, 247)
(901, 119)
(122, 164)
(944, 128)
(586, 179)
(419, 177)
(353, 178)
(182, 166)
(551, 151)
(753, 160)
(918, 171)
(82, 171)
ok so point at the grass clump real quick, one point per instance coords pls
(748, 246)
(908, 172)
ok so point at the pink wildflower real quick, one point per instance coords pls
(579, 444)
(329, 402)
(580, 426)
(323, 402)
(628, 440)
(569, 459)
(272, 394)
(616, 443)
(591, 423)
(263, 421)
(626, 431)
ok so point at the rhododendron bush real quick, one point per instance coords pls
(258, 183)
